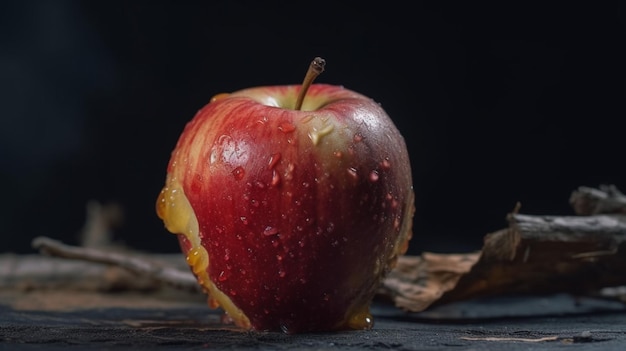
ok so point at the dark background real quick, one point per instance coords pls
(498, 104)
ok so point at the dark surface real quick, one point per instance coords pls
(577, 324)
(499, 102)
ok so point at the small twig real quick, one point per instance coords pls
(137, 265)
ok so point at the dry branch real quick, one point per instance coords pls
(132, 262)
(42, 272)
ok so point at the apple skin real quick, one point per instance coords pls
(290, 218)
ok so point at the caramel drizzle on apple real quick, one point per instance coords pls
(174, 209)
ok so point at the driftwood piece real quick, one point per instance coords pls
(419, 281)
(534, 255)
(43, 272)
(603, 200)
(141, 266)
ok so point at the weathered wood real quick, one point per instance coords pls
(419, 281)
(142, 266)
(534, 255)
(39, 272)
(603, 200)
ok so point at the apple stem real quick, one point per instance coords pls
(315, 68)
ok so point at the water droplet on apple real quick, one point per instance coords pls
(396, 223)
(338, 154)
(222, 277)
(377, 267)
(307, 119)
(385, 164)
(394, 204)
(275, 178)
(289, 171)
(281, 273)
(244, 220)
(330, 227)
(273, 160)
(214, 155)
(317, 134)
(374, 176)
(286, 127)
(351, 151)
(259, 184)
(239, 173)
(224, 139)
(263, 120)
(269, 231)
(358, 137)
(353, 173)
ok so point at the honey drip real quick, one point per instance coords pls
(174, 209)
(362, 319)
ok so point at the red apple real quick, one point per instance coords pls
(292, 202)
